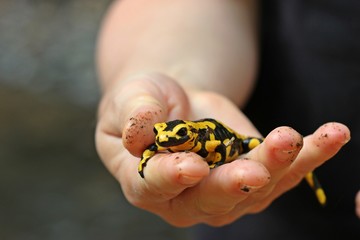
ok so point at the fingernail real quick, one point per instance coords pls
(190, 170)
(347, 139)
(285, 155)
(288, 151)
(247, 188)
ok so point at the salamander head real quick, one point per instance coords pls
(178, 135)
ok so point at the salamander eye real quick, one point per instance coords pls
(182, 132)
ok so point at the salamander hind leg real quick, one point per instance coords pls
(218, 157)
(250, 143)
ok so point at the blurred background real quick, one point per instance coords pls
(52, 183)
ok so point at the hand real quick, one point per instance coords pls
(357, 204)
(179, 186)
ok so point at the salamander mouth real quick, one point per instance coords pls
(172, 141)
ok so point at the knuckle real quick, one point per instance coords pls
(214, 210)
(220, 221)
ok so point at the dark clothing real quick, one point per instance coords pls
(309, 75)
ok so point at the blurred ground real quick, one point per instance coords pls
(52, 183)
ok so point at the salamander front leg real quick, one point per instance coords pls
(145, 157)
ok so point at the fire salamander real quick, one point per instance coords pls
(212, 140)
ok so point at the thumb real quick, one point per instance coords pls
(141, 101)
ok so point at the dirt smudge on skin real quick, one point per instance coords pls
(245, 188)
(139, 127)
(178, 160)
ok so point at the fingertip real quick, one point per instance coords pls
(327, 140)
(242, 175)
(285, 138)
(147, 99)
(332, 133)
(189, 168)
(180, 168)
(171, 173)
(251, 174)
(166, 175)
(138, 131)
(225, 187)
(321, 146)
(280, 148)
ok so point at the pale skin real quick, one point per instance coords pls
(182, 59)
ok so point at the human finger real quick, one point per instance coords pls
(278, 151)
(230, 184)
(318, 147)
(357, 204)
(127, 114)
(165, 177)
